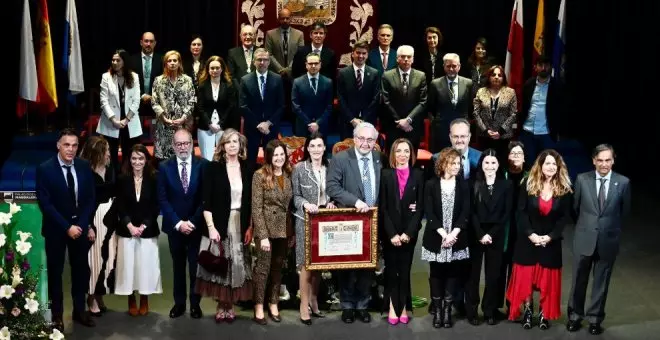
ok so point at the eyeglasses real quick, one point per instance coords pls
(368, 140)
(517, 154)
(460, 137)
(182, 144)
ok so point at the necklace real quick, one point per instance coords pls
(233, 165)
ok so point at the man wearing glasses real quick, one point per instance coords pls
(180, 199)
(353, 182)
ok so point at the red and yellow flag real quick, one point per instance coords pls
(539, 46)
(47, 93)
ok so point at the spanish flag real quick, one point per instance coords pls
(47, 94)
(539, 46)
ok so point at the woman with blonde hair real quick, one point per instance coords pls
(544, 208)
(227, 201)
(172, 99)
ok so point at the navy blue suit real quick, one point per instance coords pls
(374, 59)
(256, 110)
(177, 205)
(357, 103)
(59, 213)
(310, 107)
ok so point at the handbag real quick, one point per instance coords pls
(214, 264)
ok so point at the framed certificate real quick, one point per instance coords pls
(341, 239)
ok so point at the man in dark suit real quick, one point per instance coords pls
(358, 89)
(66, 195)
(282, 43)
(261, 101)
(450, 97)
(353, 182)
(180, 199)
(601, 203)
(328, 57)
(148, 65)
(383, 57)
(240, 59)
(404, 100)
(311, 98)
(542, 106)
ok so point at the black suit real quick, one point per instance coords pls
(156, 70)
(138, 212)
(226, 105)
(190, 71)
(443, 111)
(400, 104)
(398, 218)
(423, 62)
(237, 64)
(357, 103)
(490, 213)
(328, 62)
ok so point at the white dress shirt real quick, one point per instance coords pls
(608, 178)
(309, 79)
(355, 69)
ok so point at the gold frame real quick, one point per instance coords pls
(372, 264)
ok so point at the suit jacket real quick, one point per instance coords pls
(473, 156)
(399, 104)
(176, 205)
(237, 64)
(274, 45)
(374, 59)
(156, 70)
(309, 106)
(362, 103)
(143, 211)
(396, 216)
(111, 106)
(271, 207)
(58, 211)
(555, 104)
(190, 71)
(596, 226)
(433, 209)
(256, 110)
(489, 214)
(217, 195)
(439, 102)
(344, 182)
(505, 114)
(226, 105)
(328, 62)
(423, 63)
(306, 188)
(531, 221)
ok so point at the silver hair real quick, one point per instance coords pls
(261, 50)
(245, 27)
(365, 125)
(451, 56)
(405, 50)
(459, 121)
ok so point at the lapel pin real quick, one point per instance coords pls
(616, 183)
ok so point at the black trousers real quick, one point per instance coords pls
(446, 278)
(56, 248)
(184, 248)
(126, 145)
(398, 261)
(491, 255)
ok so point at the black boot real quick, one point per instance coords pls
(446, 313)
(527, 316)
(431, 308)
(436, 308)
(543, 322)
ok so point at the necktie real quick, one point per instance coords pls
(452, 93)
(263, 86)
(248, 59)
(384, 61)
(358, 79)
(601, 193)
(432, 66)
(405, 83)
(285, 46)
(366, 182)
(317, 51)
(147, 74)
(461, 172)
(313, 80)
(184, 177)
(70, 183)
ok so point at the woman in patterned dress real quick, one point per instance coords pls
(173, 99)
(445, 243)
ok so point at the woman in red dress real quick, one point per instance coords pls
(544, 209)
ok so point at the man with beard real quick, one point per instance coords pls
(148, 65)
(541, 111)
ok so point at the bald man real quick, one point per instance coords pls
(282, 43)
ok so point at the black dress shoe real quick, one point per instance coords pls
(96, 314)
(318, 315)
(261, 321)
(595, 329)
(363, 315)
(573, 325)
(491, 321)
(307, 322)
(177, 311)
(348, 316)
(274, 317)
(195, 312)
(473, 321)
(84, 319)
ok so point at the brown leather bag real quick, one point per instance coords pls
(215, 264)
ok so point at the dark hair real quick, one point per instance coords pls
(361, 44)
(447, 155)
(413, 156)
(602, 147)
(127, 168)
(473, 58)
(319, 25)
(544, 59)
(490, 72)
(267, 170)
(94, 151)
(306, 155)
(127, 69)
(435, 31)
(514, 143)
(67, 132)
(226, 73)
(196, 36)
(481, 175)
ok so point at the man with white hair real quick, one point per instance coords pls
(353, 182)
(450, 97)
(404, 100)
(240, 59)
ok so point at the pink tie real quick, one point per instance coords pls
(384, 61)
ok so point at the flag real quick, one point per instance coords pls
(72, 58)
(559, 51)
(539, 46)
(28, 73)
(513, 66)
(47, 94)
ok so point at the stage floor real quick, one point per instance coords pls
(633, 306)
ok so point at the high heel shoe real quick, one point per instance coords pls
(230, 316)
(219, 316)
(392, 321)
(261, 321)
(274, 317)
(404, 319)
(307, 322)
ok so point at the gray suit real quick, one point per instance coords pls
(344, 186)
(596, 243)
(277, 54)
(443, 111)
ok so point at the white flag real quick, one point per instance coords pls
(73, 58)
(28, 82)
